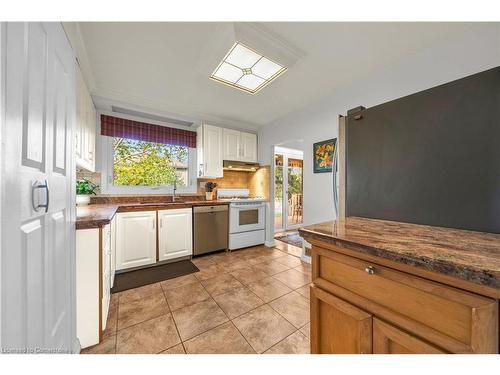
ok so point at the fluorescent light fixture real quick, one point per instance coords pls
(247, 70)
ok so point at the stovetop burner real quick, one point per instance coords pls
(237, 195)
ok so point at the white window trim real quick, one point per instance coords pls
(107, 186)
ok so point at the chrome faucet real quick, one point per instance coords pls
(174, 197)
(175, 189)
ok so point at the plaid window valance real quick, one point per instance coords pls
(141, 131)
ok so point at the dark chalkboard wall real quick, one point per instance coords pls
(429, 158)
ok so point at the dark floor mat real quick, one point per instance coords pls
(146, 276)
(291, 238)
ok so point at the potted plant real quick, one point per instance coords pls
(84, 189)
(209, 188)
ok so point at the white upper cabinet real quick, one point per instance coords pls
(248, 142)
(175, 233)
(240, 146)
(209, 144)
(230, 144)
(217, 144)
(85, 132)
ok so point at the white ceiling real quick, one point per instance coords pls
(154, 67)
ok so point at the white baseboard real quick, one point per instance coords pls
(77, 347)
(305, 259)
(270, 243)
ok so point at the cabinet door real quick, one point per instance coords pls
(388, 339)
(212, 151)
(85, 137)
(113, 251)
(135, 239)
(338, 327)
(91, 133)
(175, 234)
(80, 113)
(231, 144)
(248, 147)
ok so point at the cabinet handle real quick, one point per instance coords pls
(154, 224)
(370, 270)
(161, 223)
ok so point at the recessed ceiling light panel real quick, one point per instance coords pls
(247, 70)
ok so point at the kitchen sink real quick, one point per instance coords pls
(157, 203)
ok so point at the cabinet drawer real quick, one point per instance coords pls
(106, 262)
(106, 284)
(106, 297)
(388, 339)
(106, 237)
(469, 320)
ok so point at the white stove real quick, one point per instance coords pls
(237, 195)
(247, 217)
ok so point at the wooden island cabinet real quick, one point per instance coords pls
(394, 288)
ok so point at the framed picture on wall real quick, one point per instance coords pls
(323, 155)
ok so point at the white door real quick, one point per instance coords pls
(135, 239)
(231, 144)
(212, 151)
(176, 237)
(248, 147)
(38, 232)
(288, 189)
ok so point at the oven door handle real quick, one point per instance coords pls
(248, 207)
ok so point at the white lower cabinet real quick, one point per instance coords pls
(128, 241)
(135, 239)
(175, 233)
(113, 251)
(94, 272)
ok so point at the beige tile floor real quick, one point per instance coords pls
(253, 300)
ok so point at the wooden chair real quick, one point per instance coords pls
(295, 203)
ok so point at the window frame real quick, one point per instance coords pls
(107, 186)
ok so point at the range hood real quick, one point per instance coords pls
(233, 165)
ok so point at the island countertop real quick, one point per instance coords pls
(468, 255)
(97, 215)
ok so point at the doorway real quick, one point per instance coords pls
(288, 189)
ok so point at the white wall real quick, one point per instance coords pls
(462, 55)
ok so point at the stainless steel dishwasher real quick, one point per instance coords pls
(211, 228)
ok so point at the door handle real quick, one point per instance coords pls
(38, 185)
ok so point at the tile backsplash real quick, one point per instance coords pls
(257, 182)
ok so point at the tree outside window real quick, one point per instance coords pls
(139, 163)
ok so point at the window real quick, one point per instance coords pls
(133, 166)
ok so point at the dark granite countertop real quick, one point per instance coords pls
(98, 215)
(94, 215)
(468, 255)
